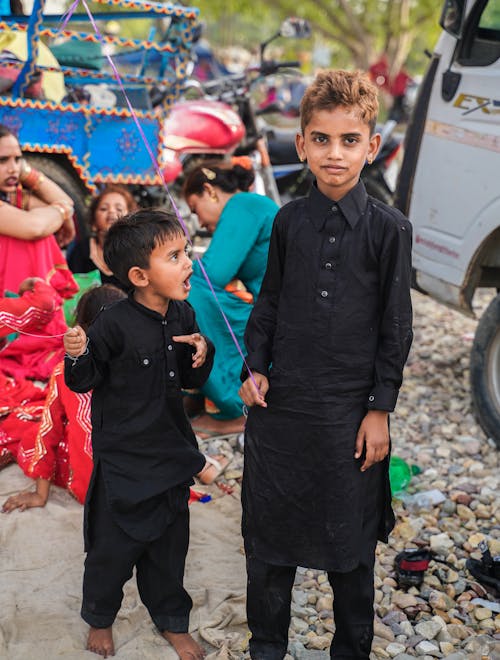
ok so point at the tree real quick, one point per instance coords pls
(358, 31)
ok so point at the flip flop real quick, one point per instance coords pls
(213, 469)
(487, 569)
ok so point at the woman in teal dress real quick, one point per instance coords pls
(240, 223)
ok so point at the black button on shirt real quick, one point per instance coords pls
(329, 360)
(357, 337)
(141, 437)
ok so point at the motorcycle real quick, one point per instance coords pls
(222, 121)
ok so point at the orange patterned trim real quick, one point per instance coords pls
(81, 109)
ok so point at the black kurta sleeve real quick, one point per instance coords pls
(89, 370)
(194, 378)
(396, 315)
(261, 325)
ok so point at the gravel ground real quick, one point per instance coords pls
(450, 615)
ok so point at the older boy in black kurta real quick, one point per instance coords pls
(330, 333)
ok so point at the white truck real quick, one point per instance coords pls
(449, 184)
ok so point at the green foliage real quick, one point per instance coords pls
(356, 31)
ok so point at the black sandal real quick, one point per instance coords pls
(487, 569)
(410, 567)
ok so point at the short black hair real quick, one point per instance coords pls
(93, 300)
(130, 241)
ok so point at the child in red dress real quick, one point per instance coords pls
(58, 448)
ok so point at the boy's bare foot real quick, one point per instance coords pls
(100, 641)
(205, 425)
(184, 645)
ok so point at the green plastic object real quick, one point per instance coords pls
(85, 281)
(399, 475)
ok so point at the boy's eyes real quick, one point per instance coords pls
(187, 251)
(323, 139)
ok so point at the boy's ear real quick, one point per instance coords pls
(138, 277)
(373, 147)
(299, 145)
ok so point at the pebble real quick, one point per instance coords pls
(395, 649)
(428, 629)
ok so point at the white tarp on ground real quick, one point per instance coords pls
(41, 565)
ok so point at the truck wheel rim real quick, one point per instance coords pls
(494, 372)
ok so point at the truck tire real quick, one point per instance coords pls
(485, 371)
(78, 193)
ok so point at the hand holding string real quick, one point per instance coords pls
(75, 341)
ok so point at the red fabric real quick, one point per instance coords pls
(34, 357)
(408, 565)
(42, 258)
(30, 312)
(21, 405)
(379, 73)
(59, 447)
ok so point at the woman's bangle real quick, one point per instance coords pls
(62, 210)
(29, 177)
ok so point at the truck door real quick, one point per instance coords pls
(455, 182)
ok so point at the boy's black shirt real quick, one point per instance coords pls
(141, 438)
(332, 330)
(334, 308)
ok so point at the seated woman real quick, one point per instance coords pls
(112, 203)
(240, 222)
(32, 209)
(34, 212)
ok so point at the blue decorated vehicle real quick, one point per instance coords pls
(60, 92)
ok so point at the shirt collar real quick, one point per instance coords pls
(352, 205)
(171, 315)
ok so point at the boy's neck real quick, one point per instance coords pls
(336, 197)
(155, 304)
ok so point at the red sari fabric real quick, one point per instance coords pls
(21, 406)
(34, 357)
(21, 402)
(30, 312)
(59, 448)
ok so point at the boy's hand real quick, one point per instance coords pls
(373, 435)
(198, 341)
(75, 341)
(23, 501)
(252, 396)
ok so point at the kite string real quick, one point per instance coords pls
(154, 161)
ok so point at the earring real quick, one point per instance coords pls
(370, 160)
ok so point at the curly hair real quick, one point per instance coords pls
(350, 89)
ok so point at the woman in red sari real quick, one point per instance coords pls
(36, 219)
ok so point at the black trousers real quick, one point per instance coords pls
(111, 557)
(269, 593)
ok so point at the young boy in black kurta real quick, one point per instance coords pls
(138, 355)
(327, 341)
